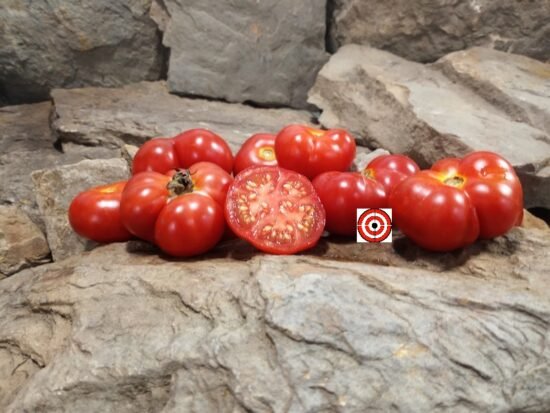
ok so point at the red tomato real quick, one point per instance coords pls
(275, 209)
(312, 151)
(95, 214)
(391, 170)
(197, 145)
(186, 149)
(342, 193)
(182, 212)
(258, 150)
(459, 201)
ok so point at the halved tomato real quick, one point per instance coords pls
(276, 210)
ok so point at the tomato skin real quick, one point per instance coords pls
(189, 225)
(197, 145)
(342, 193)
(311, 152)
(258, 150)
(95, 214)
(391, 170)
(276, 210)
(155, 155)
(148, 194)
(459, 201)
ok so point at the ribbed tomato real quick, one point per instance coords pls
(182, 212)
(458, 201)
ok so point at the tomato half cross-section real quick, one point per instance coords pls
(186, 149)
(95, 214)
(181, 212)
(458, 201)
(342, 193)
(311, 151)
(258, 150)
(276, 210)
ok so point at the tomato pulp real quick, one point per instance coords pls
(311, 151)
(182, 212)
(95, 214)
(186, 149)
(276, 210)
(258, 150)
(458, 201)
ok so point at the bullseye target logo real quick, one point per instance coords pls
(374, 225)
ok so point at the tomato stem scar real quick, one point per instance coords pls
(181, 183)
(455, 181)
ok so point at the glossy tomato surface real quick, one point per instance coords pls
(95, 214)
(148, 196)
(198, 145)
(311, 151)
(458, 201)
(184, 150)
(342, 193)
(276, 210)
(391, 170)
(258, 150)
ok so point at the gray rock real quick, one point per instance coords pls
(28, 144)
(517, 84)
(22, 244)
(136, 113)
(364, 156)
(67, 44)
(410, 108)
(267, 52)
(55, 188)
(114, 331)
(425, 31)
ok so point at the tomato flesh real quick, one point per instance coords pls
(276, 210)
(258, 150)
(95, 214)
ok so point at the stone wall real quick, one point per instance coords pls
(266, 53)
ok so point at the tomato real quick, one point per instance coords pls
(391, 170)
(275, 209)
(182, 211)
(311, 151)
(197, 145)
(186, 149)
(342, 193)
(458, 201)
(258, 150)
(95, 214)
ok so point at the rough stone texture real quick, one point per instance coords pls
(56, 187)
(533, 222)
(426, 30)
(22, 244)
(411, 108)
(71, 44)
(268, 52)
(517, 84)
(28, 144)
(136, 113)
(114, 331)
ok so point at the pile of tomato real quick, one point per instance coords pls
(281, 192)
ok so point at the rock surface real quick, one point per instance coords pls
(139, 112)
(517, 84)
(267, 52)
(56, 187)
(425, 31)
(411, 108)
(71, 44)
(114, 331)
(27, 144)
(22, 244)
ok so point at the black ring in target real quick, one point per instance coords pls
(374, 225)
